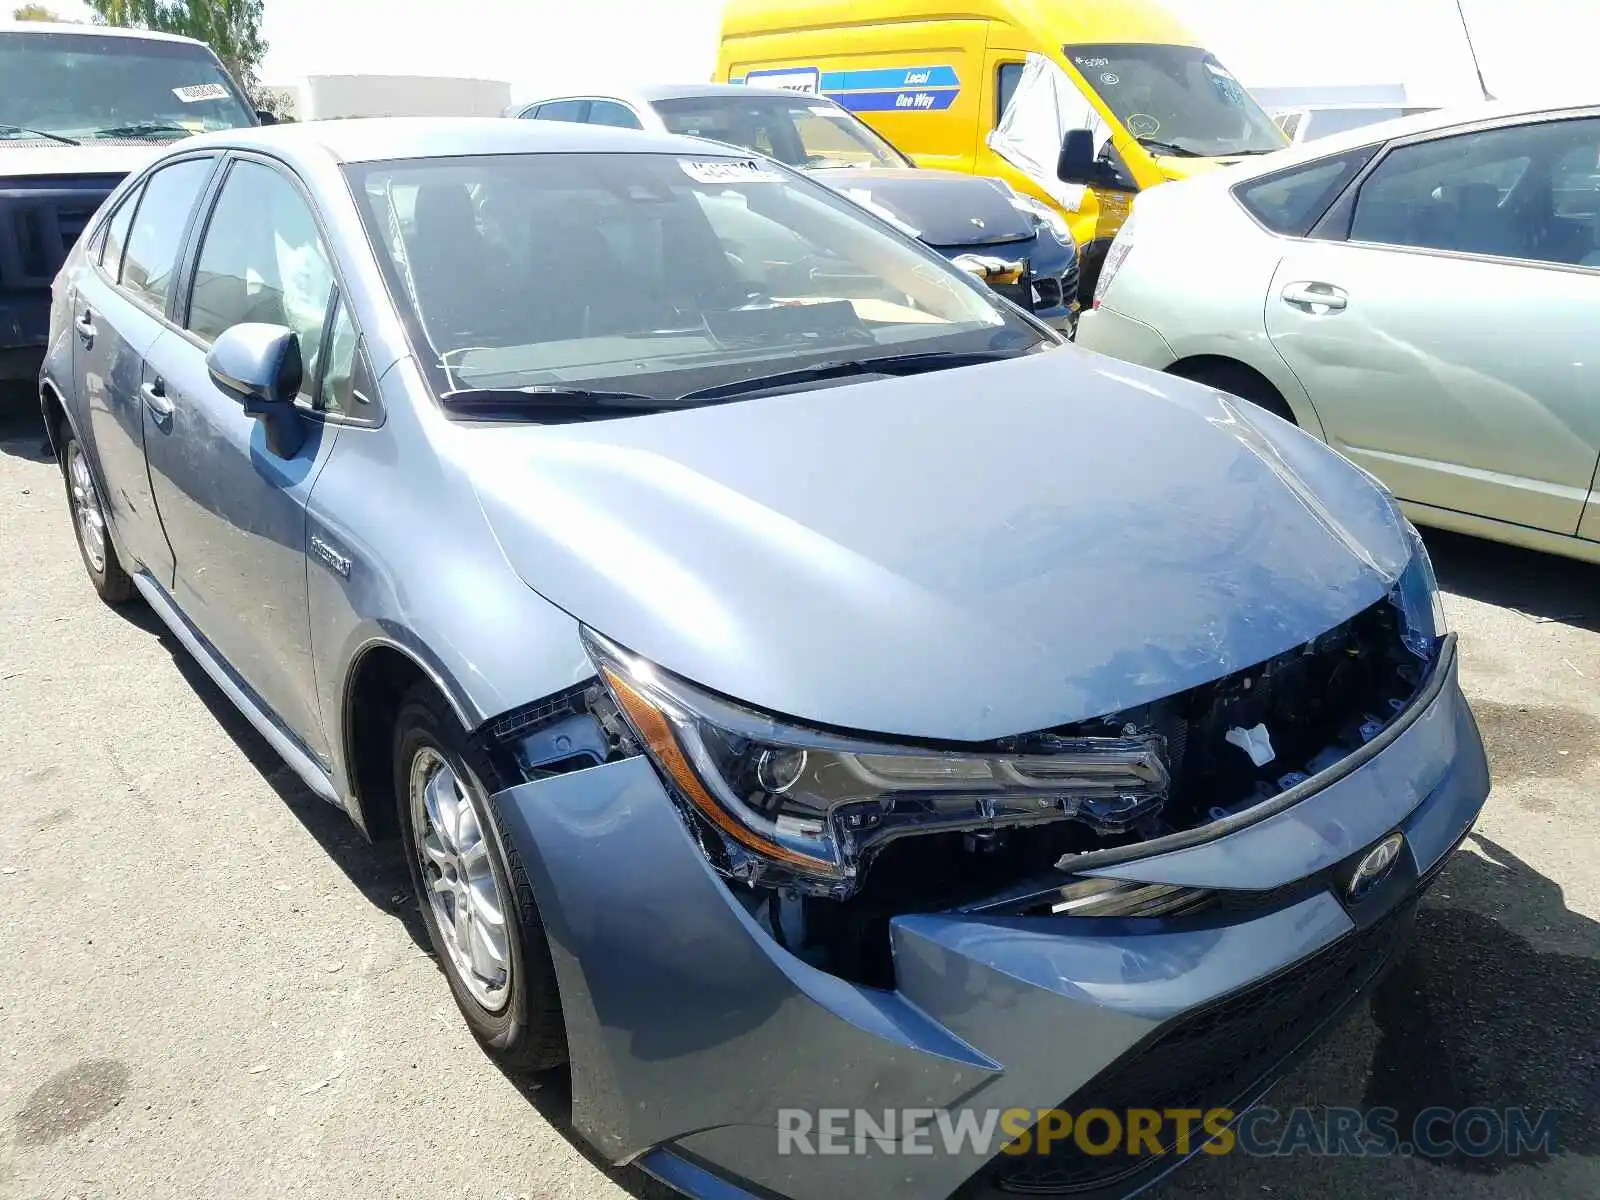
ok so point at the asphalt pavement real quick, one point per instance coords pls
(211, 986)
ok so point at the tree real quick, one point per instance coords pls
(35, 12)
(230, 27)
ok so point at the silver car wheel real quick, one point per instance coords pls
(461, 879)
(86, 508)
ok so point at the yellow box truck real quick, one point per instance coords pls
(1080, 103)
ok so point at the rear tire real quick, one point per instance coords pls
(111, 583)
(1238, 380)
(474, 893)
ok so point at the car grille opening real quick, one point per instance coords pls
(41, 221)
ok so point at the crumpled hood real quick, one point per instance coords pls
(32, 159)
(941, 206)
(961, 555)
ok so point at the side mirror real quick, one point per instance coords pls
(259, 366)
(1077, 162)
(266, 116)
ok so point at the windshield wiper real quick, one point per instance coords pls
(889, 364)
(141, 129)
(43, 133)
(1169, 148)
(558, 403)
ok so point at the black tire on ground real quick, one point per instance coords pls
(111, 583)
(528, 1034)
(1237, 380)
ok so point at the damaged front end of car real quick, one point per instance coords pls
(824, 836)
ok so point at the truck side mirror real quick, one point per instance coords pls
(1077, 161)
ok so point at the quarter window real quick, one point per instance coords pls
(263, 260)
(158, 227)
(1526, 192)
(116, 238)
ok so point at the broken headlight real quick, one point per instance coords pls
(1416, 595)
(808, 808)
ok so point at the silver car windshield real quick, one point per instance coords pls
(658, 273)
(804, 132)
(104, 87)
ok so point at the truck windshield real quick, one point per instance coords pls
(104, 87)
(806, 132)
(1177, 100)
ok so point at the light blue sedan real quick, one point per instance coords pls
(798, 680)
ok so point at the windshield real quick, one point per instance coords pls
(104, 87)
(804, 132)
(1177, 99)
(657, 274)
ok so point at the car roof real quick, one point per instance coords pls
(651, 92)
(147, 35)
(372, 139)
(1385, 131)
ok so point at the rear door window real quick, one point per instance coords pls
(561, 110)
(1290, 202)
(609, 112)
(159, 224)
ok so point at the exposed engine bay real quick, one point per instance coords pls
(823, 844)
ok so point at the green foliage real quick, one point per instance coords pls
(230, 27)
(34, 12)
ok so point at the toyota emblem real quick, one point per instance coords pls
(1375, 866)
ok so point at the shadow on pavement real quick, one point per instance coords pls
(551, 1093)
(380, 874)
(1541, 587)
(377, 871)
(1476, 1015)
(21, 424)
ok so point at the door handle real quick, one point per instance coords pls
(1318, 298)
(155, 399)
(86, 329)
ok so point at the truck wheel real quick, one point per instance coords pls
(476, 901)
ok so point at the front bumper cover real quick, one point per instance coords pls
(689, 1028)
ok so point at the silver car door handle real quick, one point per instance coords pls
(155, 399)
(1316, 297)
(86, 329)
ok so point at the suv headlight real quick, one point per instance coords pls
(807, 808)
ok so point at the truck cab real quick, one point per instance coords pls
(995, 87)
(82, 106)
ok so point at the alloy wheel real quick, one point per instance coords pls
(461, 879)
(86, 509)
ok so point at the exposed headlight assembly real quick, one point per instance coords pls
(1417, 597)
(807, 808)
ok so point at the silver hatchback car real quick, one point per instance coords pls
(799, 681)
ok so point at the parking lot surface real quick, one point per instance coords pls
(213, 987)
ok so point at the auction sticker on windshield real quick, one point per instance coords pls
(724, 171)
(197, 92)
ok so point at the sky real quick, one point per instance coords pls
(1527, 47)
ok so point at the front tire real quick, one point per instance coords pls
(111, 583)
(474, 893)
